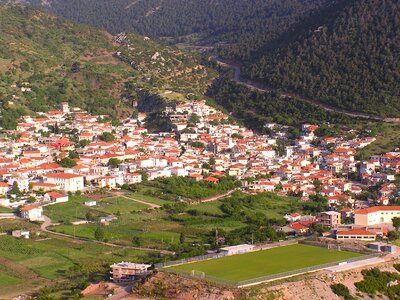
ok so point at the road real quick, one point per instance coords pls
(262, 88)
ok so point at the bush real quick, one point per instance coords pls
(342, 291)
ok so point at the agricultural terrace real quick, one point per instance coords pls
(234, 217)
(26, 265)
(267, 262)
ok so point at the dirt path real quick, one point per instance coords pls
(152, 205)
(262, 88)
(216, 198)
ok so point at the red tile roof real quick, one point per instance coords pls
(377, 208)
(356, 232)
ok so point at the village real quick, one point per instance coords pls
(70, 155)
(70, 151)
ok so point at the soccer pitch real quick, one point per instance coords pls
(267, 262)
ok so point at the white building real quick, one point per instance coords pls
(90, 203)
(32, 213)
(67, 182)
(376, 215)
(237, 249)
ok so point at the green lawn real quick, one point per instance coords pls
(146, 198)
(5, 210)
(267, 262)
(119, 204)
(6, 279)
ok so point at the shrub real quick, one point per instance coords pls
(342, 291)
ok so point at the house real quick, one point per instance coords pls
(127, 271)
(329, 218)
(56, 197)
(32, 213)
(376, 215)
(20, 233)
(356, 234)
(108, 219)
(132, 178)
(4, 188)
(105, 182)
(292, 217)
(90, 203)
(43, 186)
(299, 228)
(238, 249)
(66, 182)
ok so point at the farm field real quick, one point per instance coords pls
(267, 262)
(161, 228)
(27, 264)
(74, 209)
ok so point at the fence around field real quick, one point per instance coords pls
(338, 247)
(220, 255)
(258, 280)
(188, 260)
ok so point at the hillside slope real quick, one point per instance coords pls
(45, 60)
(251, 23)
(351, 60)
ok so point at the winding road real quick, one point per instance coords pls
(262, 88)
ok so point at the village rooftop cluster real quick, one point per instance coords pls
(205, 145)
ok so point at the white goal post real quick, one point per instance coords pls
(198, 274)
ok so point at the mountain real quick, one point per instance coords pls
(45, 60)
(350, 59)
(205, 21)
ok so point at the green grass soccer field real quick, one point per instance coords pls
(267, 262)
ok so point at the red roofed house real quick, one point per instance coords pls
(356, 234)
(56, 197)
(43, 186)
(4, 188)
(67, 182)
(32, 213)
(376, 215)
(211, 179)
(299, 228)
(292, 217)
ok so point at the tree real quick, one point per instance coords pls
(66, 162)
(396, 223)
(15, 189)
(99, 234)
(83, 143)
(107, 137)
(31, 199)
(182, 238)
(73, 155)
(114, 162)
(136, 241)
(90, 216)
(197, 145)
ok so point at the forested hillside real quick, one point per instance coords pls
(251, 23)
(351, 60)
(45, 60)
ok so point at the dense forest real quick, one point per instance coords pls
(341, 52)
(255, 108)
(351, 61)
(250, 23)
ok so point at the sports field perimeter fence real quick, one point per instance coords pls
(257, 280)
(339, 247)
(221, 254)
(188, 260)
